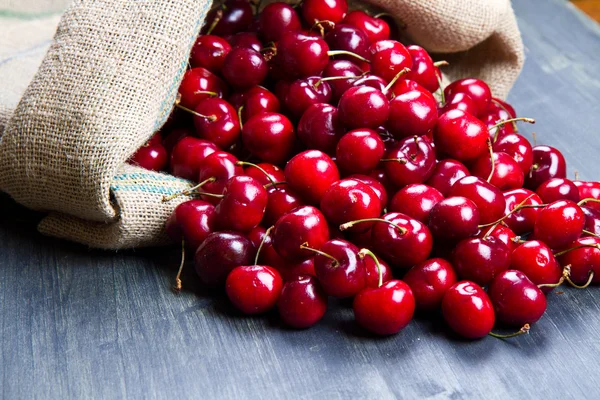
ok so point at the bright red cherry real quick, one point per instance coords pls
(348, 38)
(376, 29)
(558, 189)
(507, 173)
(454, 218)
(583, 261)
(302, 226)
(521, 221)
(388, 58)
(489, 199)
(445, 174)
(502, 233)
(192, 221)
(301, 56)
(152, 156)
(589, 190)
(220, 124)
(499, 103)
(373, 81)
(276, 19)
(303, 93)
(492, 116)
(559, 224)
(315, 11)
(477, 89)
(258, 100)
(412, 113)
(375, 185)
(243, 204)
(423, 71)
(518, 147)
(459, 101)
(198, 84)
(253, 289)
(209, 52)
(536, 261)
(290, 271)
(265, 173)
(269, 136)
(461, 136)
(416, 201)
(359, 151)
(517, 301)
(282, 200)
(363, 107)
(220, 166)
(244, 68)
(592, 220)
(548, 163)
(429, 282)
(340, 271)
(232, 17)
(348, 200)
(468, 310)
(310, 174)
(374, 269)
(187, 157)
(480, 260)
(412, 160)
(302, 302)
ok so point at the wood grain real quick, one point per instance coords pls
(77, 323)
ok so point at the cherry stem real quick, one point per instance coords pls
(211, 118)
(239, 115)
(441, 63)
(576, 174)
(366, 252)
(491, 150)
(565, 274)
(350, 224)
(524, 330)
(588, 283)
(441, 89)
(399, 160)
(331, 53)
(590, 233)
(321, 26)
(514, 124)
(588, 199)
(304, 246)
(395, 79)
(506, 121)
(274, 184)
(178, 284)
(218, 196)
(519, 206)
(583, 246)
(262, 243)
(249, 164)
(217, 19)
(211, 94)
(189, 191)
(257, 4)
(335, 78)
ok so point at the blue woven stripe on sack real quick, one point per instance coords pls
(131, 183)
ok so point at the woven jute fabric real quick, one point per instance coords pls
(109, 80)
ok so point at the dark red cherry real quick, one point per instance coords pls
(301, 56)
(209, 52)
(583, 261)
(339, 269)
(536, 261)
(388, 58)
(429, 282)
(258, 100)
(302, 302)
(276, 19)
(315, 11)
(592, 220)
(445, 174)
(521, 221)
(416, 201)
(461, 136)
(152, 156)
(187, 156)
(253, 289)
(412, 113)
(363, 107)
(243, 204)
(220, 124)
(290, 271)
(376, 29)
(282, 200)
(558, 189)
(480, 260)
(338, 68)
(589, 190)
(348, 38)
(468, 310)
(517, 301)
(199, 84)
(373, 271)
(310, 174)
(265, 173)
(502, 233)
(244, 68)
(359, 151)
(454, 218)
(385, 310)
(375, 185)
(303, 93)
(320, 128)
(349, 200)
(174, 136)
(220, 253)
(232, 17)
(423, 71)
(460, 101)
(247, 40)
(269, 136)
(477, 89)
(559, 224)
(518, 148)
(548, 163)
(489, 199)
(507, 173)
(192, 221)
(220, 166)
(491, 116)
(412, 160)
(372, 81)
(304, 225)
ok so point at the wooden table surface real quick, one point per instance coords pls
(79, 323)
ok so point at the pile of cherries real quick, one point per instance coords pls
(331, 163)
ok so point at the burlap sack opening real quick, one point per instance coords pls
(109, 81)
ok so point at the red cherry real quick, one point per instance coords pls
(372, 81)
(404, 86)
(480, 260)
(416, 201)
(359, 151)
(445, 174)
(253, 289)
(373, 271)
(220, 166)
(507, 173)
(412, 160)
(356, 100)
(376, 29)
(412, 113)
(320, 127)
(548, 163)
(559, 224)
(258, 100)
(174, 136)
(310, 174)
(276, 19)
(209, 52)
(339, 269)
(429, 282)
(536, 261)
(243, 204)
(499, 103)
(192, 221)
(187, 157)
(244, 68)
(468, 310)
(304, 225)
(348, 38)
(282, 200)
(517, 301)
(460, 101)
(265, 173)
(385, 310)
(247, 40)
(589, 190)
(502, 233)
(477, 89)
(592, 220)
(220, 126)
(232, 17)
(303, 93)
(338, 68)
(454, 218)
(269, 136)
(302, 302)
(491, 116)
(423, 71)
(152, 157)
(301, 56)
(315, 11)
(388, 58)
(198, 84)
(460, 135)
(290, 271)
(558, 189)
(518, 148)
(375, 185)
(521, 221)
(489, 199)
(583, 261)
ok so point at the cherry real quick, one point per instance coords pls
(468, 310)
(423, 71)
(339, 68)
(282, 200)
(276, 19)
(303, 225)
(559, 224)
(363, 107)
(264, 173)
(477, 89)
(375, 185)
(303, 93)
(583, 257)
(269, 136)
(243, 204)
(460, 135)
(445, 174)
(517, 301)
(499, 103)
(506, 173)
(258, 100)
(320, 127)
(548, 163)
(292, 271)
(232, 17)
(592, 220)
(151, 156)
(301, 56)
(521, 221)
(310, 174)
(302, 302)
(359, 151)
(220, 126)
(558, 189)
(198, 84)
(491, 116)
(536, 261)
(376, 29)
(460, 101)
(209, 51)
(404, 86)
(348, 200)
(192, 221)
(489, 200)
(454, 218)
(315, 11)
(416, 201)
(216, 170)
(429, 282)
(480, 260)
(518, 148)
(388, 58)
(412, 160)
(374, 268)
(412, 113)
(502, 233)
(220, 253)
(187, 157)
(589, 190)
(173, 137)
(244, 68)
(373, 81)
(253, 289)
(248, 40)
(348, 38)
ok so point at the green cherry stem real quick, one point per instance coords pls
(441, 63)
(583, 246)
(262, 242)
(211, 118)
(565, 274)
(590, 233)
(496, 102)
(524, 330)
(305, 246)
(589, 281)
(519, 206)
(249, 164)
(395, 79)
(350, 224)
(333, 53)
(189, 191)
(335, 78)
(366, 252)
(491, 150)
(587, 200)
(506, 121)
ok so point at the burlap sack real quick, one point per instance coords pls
(109, 80)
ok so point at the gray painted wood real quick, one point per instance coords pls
(77, 323)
